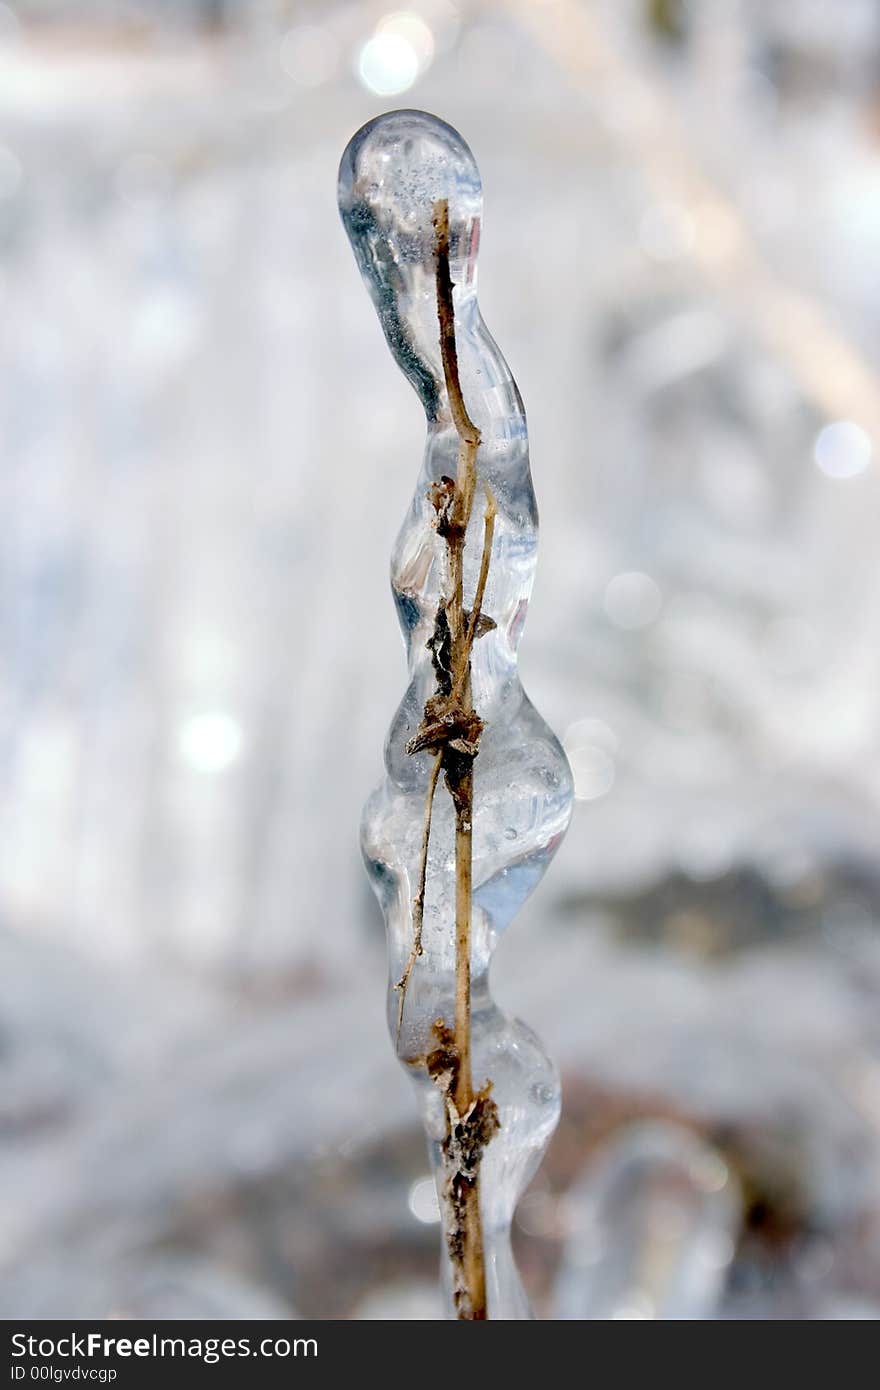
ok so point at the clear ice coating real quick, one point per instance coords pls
(394, 174)
(652, 1227)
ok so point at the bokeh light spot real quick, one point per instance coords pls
(422, 1201)
(309, 55)
(413, 30)
(590, 746)
(842, 449)
(593, 771)
(388, 64)
(210, 742)
(632, 600)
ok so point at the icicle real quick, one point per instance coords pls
(652, 1225)
(477, 793)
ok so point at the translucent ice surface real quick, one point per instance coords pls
(394, 173)
(652, 1229)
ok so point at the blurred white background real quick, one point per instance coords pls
(206, 455)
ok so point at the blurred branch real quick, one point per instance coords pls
(831, 372)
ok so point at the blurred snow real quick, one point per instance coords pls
(206, 455)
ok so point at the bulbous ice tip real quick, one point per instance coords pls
(393, 173)
(397, 167)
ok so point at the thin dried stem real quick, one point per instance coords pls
(488, 534)
(468, 434)
(463, 1093)
(465, 485)
(451, 729)
(464, 425)
(477, 606)
(466, 1238)
(419, 899)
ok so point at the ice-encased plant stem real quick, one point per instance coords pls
(477, 793)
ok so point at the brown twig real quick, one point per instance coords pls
(464, 425)
(464, 1236)
(419, 899)
(474, 625)
(451, 729)
(488, 534)
(465, 484)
